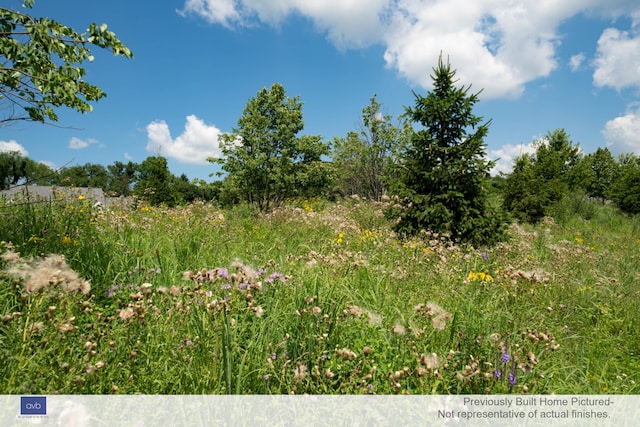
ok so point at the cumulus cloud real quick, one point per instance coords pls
(9, 146)
(215, 11)
(79, 144)
(576, 61)
(622, 134)
(617, 62)
(335, 17)
(506, 155)
(49, 164)
(494, 45)
(197, 142)
(497, 45)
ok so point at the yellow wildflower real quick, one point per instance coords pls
(479, 277)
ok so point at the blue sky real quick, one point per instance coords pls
(542, 65)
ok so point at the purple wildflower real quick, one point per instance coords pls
(225, 286)
(112, 290)
(497, 374)
(223, 272)
(273, 356)
(505, 357)
(485, 256)
(272, 277)
(512, 378)
(189, 343)
(266, 377)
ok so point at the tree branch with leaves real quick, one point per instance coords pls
(41, 65)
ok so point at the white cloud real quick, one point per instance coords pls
(506, 155)
(348, 23)
(338, 18)
(215, 11)
(617, 62)
(79, 144)
(49, 164)
(496, 45)
(128, 156)
(197, 142)
(492, 44)
(622, 134)
(576, 61)
(8, 146)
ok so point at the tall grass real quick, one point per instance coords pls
(315, 298)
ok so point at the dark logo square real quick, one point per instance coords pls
(33, 405)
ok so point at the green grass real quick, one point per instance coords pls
(317, 298)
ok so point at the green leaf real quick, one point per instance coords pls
(43, 65)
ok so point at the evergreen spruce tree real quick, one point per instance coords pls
(441, 178)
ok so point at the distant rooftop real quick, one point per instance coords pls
(40, 192)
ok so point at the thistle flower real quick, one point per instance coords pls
(398, 329)
(300, 372)
(36, 328)
(73, 414)
(126, 313)
(11, 257)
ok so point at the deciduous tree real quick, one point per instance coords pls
(362, 158)
(122, 177)
(155, 182)
(41, 65)
(264, 158)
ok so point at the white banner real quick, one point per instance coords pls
(264, 410)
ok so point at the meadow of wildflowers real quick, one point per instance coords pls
(313, 297)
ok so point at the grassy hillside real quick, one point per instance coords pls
(311, 298)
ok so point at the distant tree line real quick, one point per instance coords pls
(150, 180)
(559, 171)
(431, 163)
